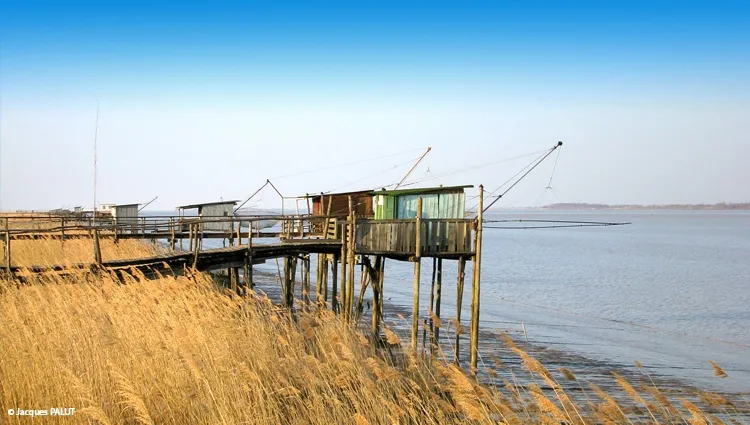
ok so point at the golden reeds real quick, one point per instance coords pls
(178, 350)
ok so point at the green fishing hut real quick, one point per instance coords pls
(437, 202)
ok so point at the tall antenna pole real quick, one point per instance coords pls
(96, 134)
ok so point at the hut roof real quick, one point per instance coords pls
(421, 190)
(357, 192)
(191, 206)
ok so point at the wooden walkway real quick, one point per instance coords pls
(208, 259)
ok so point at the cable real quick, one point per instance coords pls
(342, 165)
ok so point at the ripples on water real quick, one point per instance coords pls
(670, 290)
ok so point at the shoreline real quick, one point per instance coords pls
(506, 365)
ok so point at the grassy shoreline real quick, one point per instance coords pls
(179, 349)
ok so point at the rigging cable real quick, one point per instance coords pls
(522, 177)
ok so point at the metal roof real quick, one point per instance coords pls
(356, 192)
(420, 190)
(191, 206)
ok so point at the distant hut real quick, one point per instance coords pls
(211, 210)
(437, 202)
(125, 216)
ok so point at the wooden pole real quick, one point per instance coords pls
(474, 341)
(319, 281)
(195, 246)
(97, 249)
(306, 279)
(344, 260)
(352, 261)
(459, 301)
(190, 237)
(62, 229)
(249, 257)
(432, 304)
(171, 234)
(438, 294)
(417, 271)
(377, 295)
(382, 286)
(325, 278)
(334, 283)
(8, 271)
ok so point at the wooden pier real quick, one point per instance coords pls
(339, 243)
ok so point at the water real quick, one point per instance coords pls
(671, 290)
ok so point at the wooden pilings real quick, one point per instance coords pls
(459, 303)
(290, 266)
(474, 330)
(417, 272)
(334, 284)
(438, 294)
(249, 258)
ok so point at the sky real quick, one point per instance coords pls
(205, 101)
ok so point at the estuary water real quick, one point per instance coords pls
(671, 290)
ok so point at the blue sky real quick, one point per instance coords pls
(629, 86)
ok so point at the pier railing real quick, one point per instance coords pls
(164, 227)
(438, 236)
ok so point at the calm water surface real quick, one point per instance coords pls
(671, 290)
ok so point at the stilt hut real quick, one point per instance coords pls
(210, 213)
(437, 202)
(338, 204)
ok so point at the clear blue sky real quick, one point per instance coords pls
(207, 100)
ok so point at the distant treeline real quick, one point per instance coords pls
(585, 206)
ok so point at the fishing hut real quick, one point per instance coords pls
(338, 203)
(124, 216)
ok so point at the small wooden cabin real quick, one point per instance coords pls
(437, 202)
(338, 203)
(212, 210)
(125, 215)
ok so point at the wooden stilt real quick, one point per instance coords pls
(417, 271)
(249, 258)
(319, 280)
(382, 285)
(289, 272)
(97, 249)
(352, 263)
(306, 281)
(344, 259)
(438, 294)
(334, 283)
(365, 279)
(8, 270)
(377, 294)
(430, 310)
(171, 234)
(474, 340)
(190, 237)
(325, 279)
(459, 302)
(196, 248)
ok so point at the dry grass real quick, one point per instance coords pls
(178, 350)
(48, 252)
